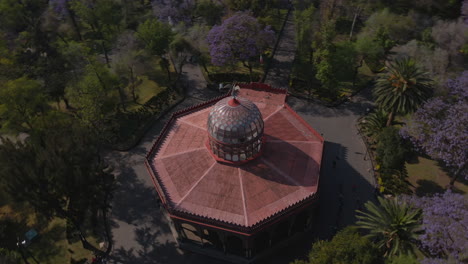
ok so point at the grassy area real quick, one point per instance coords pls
(428, 177)
(147, 89)
(144, 91)
(51, 246)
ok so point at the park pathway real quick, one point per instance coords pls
(278, 74)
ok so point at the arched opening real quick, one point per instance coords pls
(261, 242)
(234, 245)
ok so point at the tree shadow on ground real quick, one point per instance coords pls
(357, 106)
(427, 188)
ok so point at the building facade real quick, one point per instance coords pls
(237, 175)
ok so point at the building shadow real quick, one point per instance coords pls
(337, 176)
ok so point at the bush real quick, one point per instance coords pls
(391, 149)
(394, 182)
(348, 246)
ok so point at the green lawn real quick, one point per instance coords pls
(427, 177)
(51, 246)
(147, 89)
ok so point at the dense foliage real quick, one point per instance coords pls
(238, 38)
(392, 224)
(439, 127)
(391, 150)
(54, 167)
(346, 247)
(401, 88)
(444, 224)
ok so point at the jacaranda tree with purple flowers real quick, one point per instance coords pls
(238, 38)
(445, 221)
(440, 127)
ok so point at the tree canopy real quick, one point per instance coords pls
(444, 225)
(346, 247)
(393, 224)
(238, 38)
(439, 126)
(402, 88)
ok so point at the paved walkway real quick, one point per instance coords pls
(278, 75)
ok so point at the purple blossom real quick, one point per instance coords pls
(59, 7)
(464, 11)
(445, 225)
(440, 126)
(434, 261)
(239, 37)
(173, 12)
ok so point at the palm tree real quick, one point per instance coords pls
(393, 224)
(374, 123)
(402, 88)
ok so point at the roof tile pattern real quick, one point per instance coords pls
(247, 194)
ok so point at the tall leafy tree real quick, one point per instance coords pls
(402, 88)
(22, 101)
(394, 225)
(347, 247)
(156, 36)
(92, 95)
(238, 38)
(439, 127)
(57, 170)
(444, 224)
(323, 58)
(102, 19)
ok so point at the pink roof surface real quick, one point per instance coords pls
(285, 174)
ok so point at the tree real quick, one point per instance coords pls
(53, 168)
(323, 57)
(374, 123)
(394, 225)
(156, 36)
(174, 12)
(238, 38)
(391, 150)
(439, 127)
(92, 95)
(22, 101)
(444, 225)
(347, 247)
(126, 56)
(403, 259)
(242, 5)
(210, 11)
(402, 88)
(103, 20)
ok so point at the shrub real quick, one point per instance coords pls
(391, 149)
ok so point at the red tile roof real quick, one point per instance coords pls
(244, 195)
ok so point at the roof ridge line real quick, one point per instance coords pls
(276, 111)
(243, 198)
(179, 153)
(195, 185)
(190, 124)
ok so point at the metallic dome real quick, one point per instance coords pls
(235, 128)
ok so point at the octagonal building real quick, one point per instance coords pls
(238, 175)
